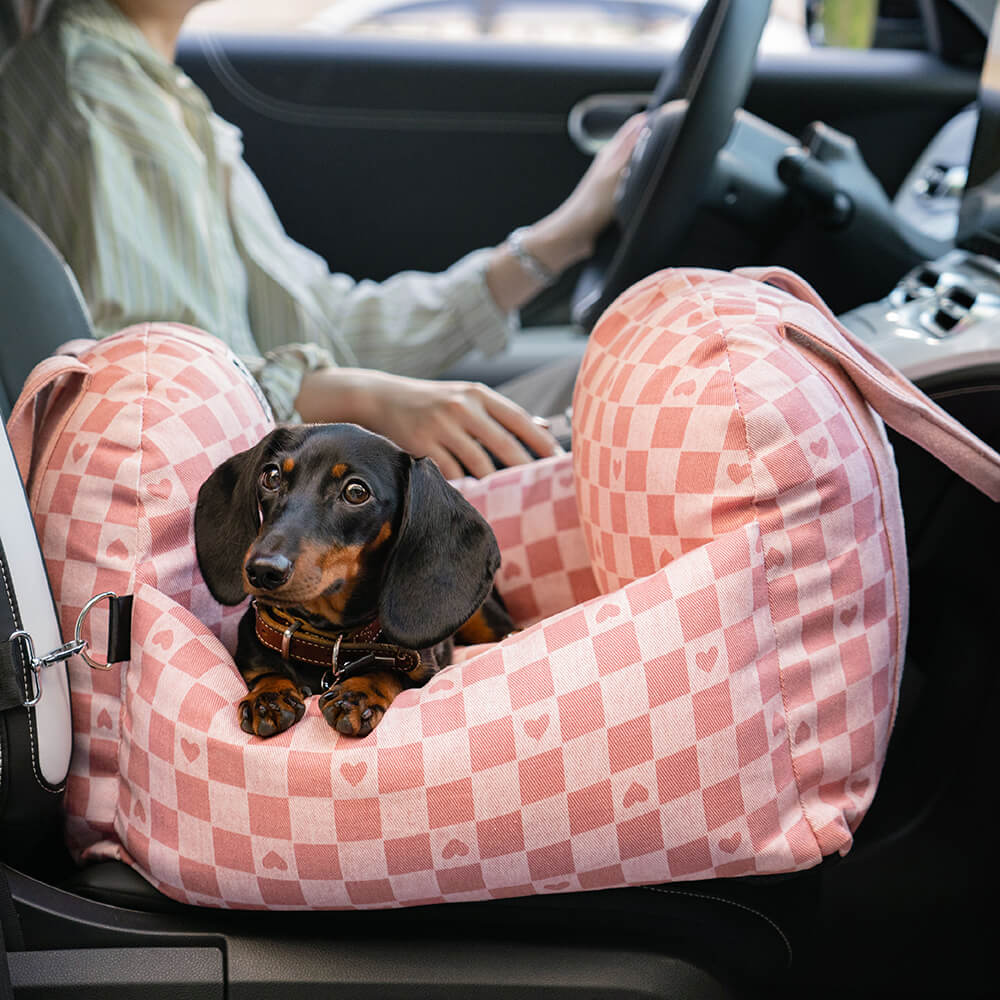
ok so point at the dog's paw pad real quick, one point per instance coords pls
(266, 713)
(350, 711)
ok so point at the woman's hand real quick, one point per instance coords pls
(457, 424)
(584, 214)
(568, 234)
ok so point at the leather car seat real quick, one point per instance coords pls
(42, 303)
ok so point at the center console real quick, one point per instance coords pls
(943, 318)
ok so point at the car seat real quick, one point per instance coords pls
(42, 303)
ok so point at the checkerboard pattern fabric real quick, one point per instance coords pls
(713, 595)
(121, 453)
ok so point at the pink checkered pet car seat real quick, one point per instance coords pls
(712, 587)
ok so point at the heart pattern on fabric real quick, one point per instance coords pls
(730, 844)
(162, 489)
(820, 448)
(275, 861)
(849, 614)
(354, 773)
(636, 793)
(191, 750)
(454, 849)
(535, 728)
(104, 719)
(686, 388)
(707, 659)
(607, 611)
(117, 550)
(164, 639)
(737, 473)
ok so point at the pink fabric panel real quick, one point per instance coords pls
(113, 509)
(599, 747)
(694, 415)
(533, 512)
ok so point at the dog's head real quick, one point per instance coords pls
(342, 525)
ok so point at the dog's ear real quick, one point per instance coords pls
(226, 517)
(442, 565)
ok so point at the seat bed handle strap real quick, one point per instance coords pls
(893, 396)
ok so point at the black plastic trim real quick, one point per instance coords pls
(119, 974)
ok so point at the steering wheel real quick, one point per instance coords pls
(690, 117)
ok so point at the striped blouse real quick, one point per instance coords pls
(117, 155)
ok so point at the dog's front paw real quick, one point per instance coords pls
(356, 706)
(271, 707)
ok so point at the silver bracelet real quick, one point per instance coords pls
(528, 260)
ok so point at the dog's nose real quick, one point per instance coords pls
(268, 572)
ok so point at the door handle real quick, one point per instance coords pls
(595, 119)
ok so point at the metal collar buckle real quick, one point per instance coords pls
(286, 638)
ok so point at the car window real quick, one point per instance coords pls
(643, 23)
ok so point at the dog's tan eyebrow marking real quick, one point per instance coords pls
(339, 470)
(383, 536)
(288, 465)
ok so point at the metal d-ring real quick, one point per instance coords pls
(77, 632)
(329, 677)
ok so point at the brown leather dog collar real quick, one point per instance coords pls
(343, 653)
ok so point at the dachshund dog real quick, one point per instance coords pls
(362, 563)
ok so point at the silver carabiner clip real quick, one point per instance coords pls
(37, 663)
(34, 665)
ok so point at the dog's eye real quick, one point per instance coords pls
(270, 478)
(356, 492)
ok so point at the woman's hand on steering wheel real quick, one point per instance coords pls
(568, 234)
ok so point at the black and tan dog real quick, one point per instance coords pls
(362, 563)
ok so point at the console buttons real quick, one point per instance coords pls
(945, 320)
(961, 296)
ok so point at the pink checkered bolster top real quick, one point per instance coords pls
(713, 588)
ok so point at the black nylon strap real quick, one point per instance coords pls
(11, 691)
(120, 629)
(11, 695)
